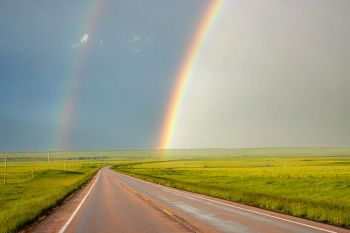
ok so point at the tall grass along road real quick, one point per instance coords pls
(312, 187)
(29, 189)
(115, 202)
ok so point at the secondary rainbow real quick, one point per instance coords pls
(184, 75)
(72, 83)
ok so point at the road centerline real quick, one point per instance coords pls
(168, 189)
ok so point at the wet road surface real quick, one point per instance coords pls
(113, 202)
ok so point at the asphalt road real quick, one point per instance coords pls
(114, 202)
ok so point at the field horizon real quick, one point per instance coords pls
(321, 176)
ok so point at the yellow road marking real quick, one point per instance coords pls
(230, 205)
(168, 212)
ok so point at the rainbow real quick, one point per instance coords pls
(68, 105)
(184, 75)
(68, 109)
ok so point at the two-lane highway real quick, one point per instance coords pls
(114, 202)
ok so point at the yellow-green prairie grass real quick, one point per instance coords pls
(313, 187)
(32, 188)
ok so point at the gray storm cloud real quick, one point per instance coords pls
(271, 73)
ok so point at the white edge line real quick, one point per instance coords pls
(252, 211)
(268, 215)
(64, 228)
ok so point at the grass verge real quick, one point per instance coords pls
(24, 202)
(312, 187)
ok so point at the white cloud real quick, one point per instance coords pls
(84, 39)
(137, 43)
(101, 42)
(134, 40)
(148, 39)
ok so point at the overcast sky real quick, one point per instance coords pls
(270, 73)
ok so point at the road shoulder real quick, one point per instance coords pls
(59, 215)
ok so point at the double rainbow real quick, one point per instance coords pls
(74, 78)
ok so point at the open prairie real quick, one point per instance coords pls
(33, 183)
(33, 187)
(313, 183)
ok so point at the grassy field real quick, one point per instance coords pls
(313, 183)
(308, 182)
(33, 188)
(37, 182)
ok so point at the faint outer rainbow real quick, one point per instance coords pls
(73, 80)
(184, 74)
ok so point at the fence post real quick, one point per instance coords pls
(58, 161)
(33, 158)
(48, 160)
(5, 173)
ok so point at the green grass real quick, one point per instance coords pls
(310, 183)
(33, 187)
(24, 198)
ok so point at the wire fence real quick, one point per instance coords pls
(21, 168)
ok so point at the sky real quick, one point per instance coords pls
(269, 73)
